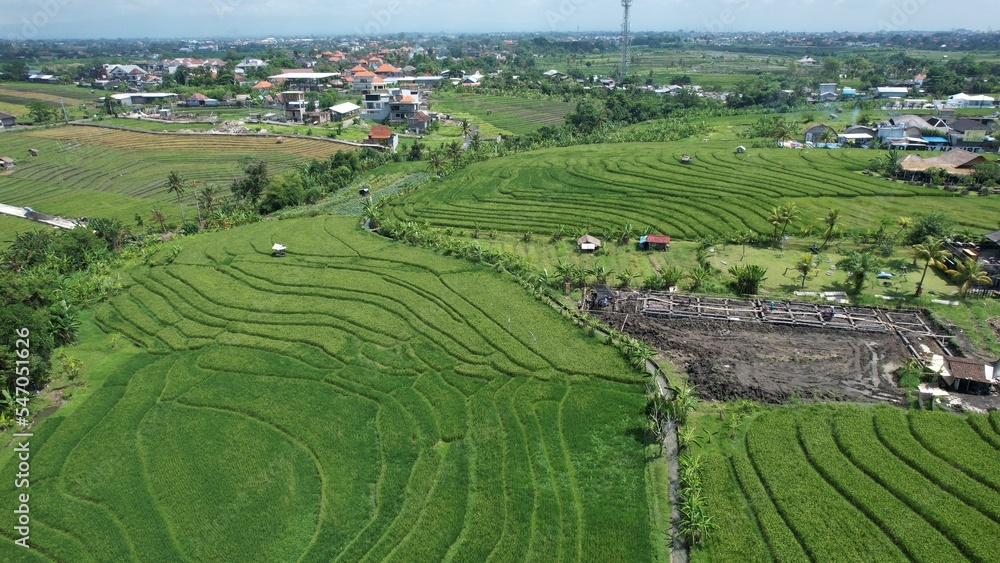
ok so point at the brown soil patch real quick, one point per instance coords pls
(769, 363)
(994, 323)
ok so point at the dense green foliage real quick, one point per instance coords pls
(835, 483)
(349, 401)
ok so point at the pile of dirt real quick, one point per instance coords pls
(773, 363)
(232, 128)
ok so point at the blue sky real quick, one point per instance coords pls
(52, 19)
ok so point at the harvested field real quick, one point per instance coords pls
(772, 363)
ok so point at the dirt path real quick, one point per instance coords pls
(678, 551)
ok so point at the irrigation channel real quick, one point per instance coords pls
(910, 325)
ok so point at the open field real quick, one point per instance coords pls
(851, 483)
(601, 187)
(509, 115)
(356, 400)
(96, 172)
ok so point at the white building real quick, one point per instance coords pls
(963, 100)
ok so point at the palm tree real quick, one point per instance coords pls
(805, 265)
(828, 136)
(454, 152)
(436, 162)
(774, 219)
(931, 252)
(903, 223)
(969, 273)
(175, 184)
(859, 265)
(831, 223)
(208, 194)
(789, 214)
(159, 218)
(465, 127)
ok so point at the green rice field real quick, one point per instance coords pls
(356, 400)
(601, 187)
(86, 171)
(840, 483)
(508, 115)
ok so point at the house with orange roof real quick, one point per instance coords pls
(382, 136)
(386, 70)
(262, 86)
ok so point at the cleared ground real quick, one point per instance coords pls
(729, 361)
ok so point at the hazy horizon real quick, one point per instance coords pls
(189, 19)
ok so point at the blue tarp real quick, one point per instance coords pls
(935, 139)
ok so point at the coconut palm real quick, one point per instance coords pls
(175, 184)
(969, 273)
(208, 194)
(774, 219)
(436, 162)
(903, 223)
(831, 222)
(159, 218)
(789, 214)
(933, 253)
(805, 266)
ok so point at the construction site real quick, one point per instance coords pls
(776, 351)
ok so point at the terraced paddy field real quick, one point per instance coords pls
(92, 172)
(604, 186)
(516, 116)
(356, 400)
(848, 483)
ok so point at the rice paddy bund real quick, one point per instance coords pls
(355, 400)
(602, 187)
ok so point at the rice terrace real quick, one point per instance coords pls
(615, 296)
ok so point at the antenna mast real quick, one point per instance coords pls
(626, 41)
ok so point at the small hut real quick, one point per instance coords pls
(686, 159)
(653, 242)
(602, 296)
(363, 192)
(588, 243)
(33, 152)
(279, 250)
(6, 163)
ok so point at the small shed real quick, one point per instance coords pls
(968, 376)
(363, 192)
(6, 163)
(33, 152)
(654, 242)
(601, 296)
(588, 243)
(279, 250)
